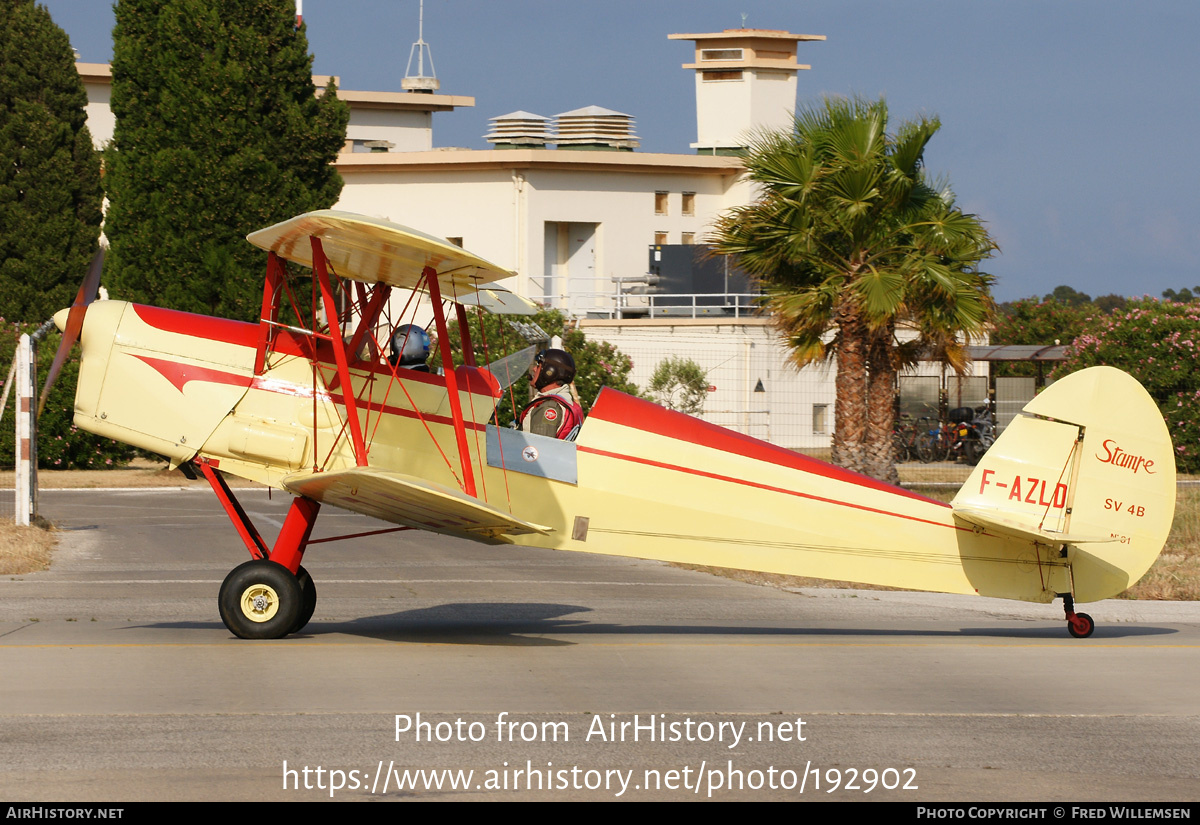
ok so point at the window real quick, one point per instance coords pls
(710, 76)
(689, 238)
(720, 54)
(689, 203)
(660, 238)
(820, 419)
(660, 203)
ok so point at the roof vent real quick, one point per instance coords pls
(520, 130)
(594, 127)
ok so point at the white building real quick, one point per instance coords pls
(568, 205)
(577, 220)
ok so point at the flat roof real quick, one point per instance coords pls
(564, 159)
(766, 34)
(403, 100)
(410, 101)
(789, 65)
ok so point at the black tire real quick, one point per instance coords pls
(1081, 626)
(308, 602)
(924, 448)
(260, 600)
(973, 451)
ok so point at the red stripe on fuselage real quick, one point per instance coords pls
(180, 374)
(628, 411)
(771, 488)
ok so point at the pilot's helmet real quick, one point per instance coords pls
(557, 367)
(410, 346)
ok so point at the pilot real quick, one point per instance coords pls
(553, 410)
(409, 348)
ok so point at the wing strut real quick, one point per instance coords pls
(339, 350)
(460, 430)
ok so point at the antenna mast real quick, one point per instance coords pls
(420, 82)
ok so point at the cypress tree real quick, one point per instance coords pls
(218, 132)
(50, 192)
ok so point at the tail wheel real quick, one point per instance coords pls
(1080, 625)
(261, 600)
(308, 602)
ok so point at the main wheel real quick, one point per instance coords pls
(308, 602)
(1080, 625)
(260, 600)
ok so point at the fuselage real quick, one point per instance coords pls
(647, 482)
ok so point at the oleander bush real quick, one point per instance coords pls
(1158, 343)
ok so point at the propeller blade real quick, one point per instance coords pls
(87, 294)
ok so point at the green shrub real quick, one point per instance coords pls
(61, 446)
(679, 384)
(1158, 343)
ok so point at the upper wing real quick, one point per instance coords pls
(372, 250)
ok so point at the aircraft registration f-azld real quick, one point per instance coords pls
(1073, 501)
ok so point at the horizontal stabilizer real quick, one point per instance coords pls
(1011, 527)
(414, 502)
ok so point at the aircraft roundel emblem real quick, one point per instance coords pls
(551, 414)
(529, 454)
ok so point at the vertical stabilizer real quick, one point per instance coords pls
(1088, 464)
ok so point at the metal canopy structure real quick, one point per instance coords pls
(1017, 352)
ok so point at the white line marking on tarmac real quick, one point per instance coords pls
(369, 581)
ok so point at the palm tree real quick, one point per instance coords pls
(852, 242)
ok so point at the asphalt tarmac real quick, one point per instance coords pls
(438, 669)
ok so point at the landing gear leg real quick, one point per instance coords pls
(271, 595)
(1079, 625)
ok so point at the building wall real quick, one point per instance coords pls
(530, 219)
(476, 205)
(410, 131)
(754, 389)
(622, 208)
(100, 120)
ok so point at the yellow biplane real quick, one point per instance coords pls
(1073, 501)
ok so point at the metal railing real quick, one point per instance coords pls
(658, 305)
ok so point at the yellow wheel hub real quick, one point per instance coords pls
(259, 603)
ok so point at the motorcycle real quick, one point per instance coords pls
(974, 432)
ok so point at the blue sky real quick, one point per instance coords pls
(1069, 126)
